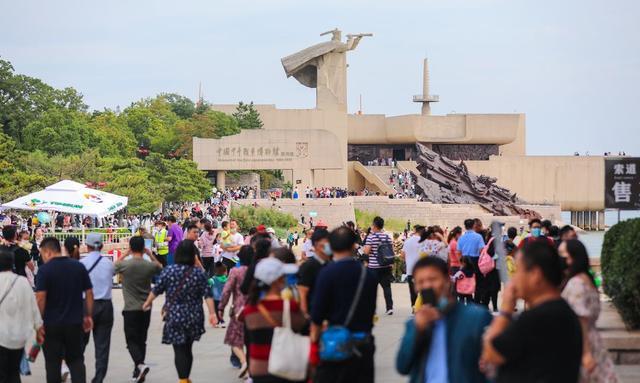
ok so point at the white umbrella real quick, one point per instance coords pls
(70, 197)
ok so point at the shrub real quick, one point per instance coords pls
(364, 219)
(620, 270)
(249, 216)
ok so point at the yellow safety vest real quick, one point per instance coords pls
(160, 238)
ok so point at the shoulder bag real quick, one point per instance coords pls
(9, 289)
(289, 355)
(336, 342)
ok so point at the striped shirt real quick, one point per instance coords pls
(374, 240)
(259, 332)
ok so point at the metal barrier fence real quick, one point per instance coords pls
(118, 236)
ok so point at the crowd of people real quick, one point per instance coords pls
(316, 309)
(403, 184)
(321, 192)
(380, 161)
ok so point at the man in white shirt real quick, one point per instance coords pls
(101, 271)
(307, 247)
(411, 254)
(230, 247)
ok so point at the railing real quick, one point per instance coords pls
(116, 236)
(428, 98)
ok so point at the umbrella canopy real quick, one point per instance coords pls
(70, 197)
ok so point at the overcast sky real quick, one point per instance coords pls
(573, 66)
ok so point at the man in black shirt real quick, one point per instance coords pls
(21, 257)
(310, 269)
(544, 344)
(60, 284)
(334, 293)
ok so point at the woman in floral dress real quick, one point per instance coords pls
(185, 285)
(582, 295)
(235, 332)
(432, 243)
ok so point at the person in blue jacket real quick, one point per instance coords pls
(443, 341)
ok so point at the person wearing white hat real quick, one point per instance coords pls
(269, 270)
(263, 312)
(275, 242)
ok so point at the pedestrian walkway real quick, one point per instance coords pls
(212, 356)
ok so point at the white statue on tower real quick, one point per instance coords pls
(324, 67)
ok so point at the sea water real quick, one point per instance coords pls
(593, 239)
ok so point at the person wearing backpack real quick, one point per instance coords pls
(470, 245)
(376, 247)
(490, 277)
(465, 280)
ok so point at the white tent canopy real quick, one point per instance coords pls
(70, 197)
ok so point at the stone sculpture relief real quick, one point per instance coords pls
(441, 180)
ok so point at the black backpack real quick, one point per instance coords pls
(385, 254)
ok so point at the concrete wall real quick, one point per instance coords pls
(301, 122)
(574, 182)
(507, 130)
(335, 211)
(519, 146)
(427, 213)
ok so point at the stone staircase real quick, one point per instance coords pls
(383, 173)
(376, 176)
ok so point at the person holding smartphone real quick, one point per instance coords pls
(443, 341)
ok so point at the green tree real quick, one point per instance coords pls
(112, 135)
(7, 146)
(24, 99)
(211, 124)
(81, 167)
(225, 125)
(152, 122)
(59, 131)
(202, 107)
(178, 180)
(182, 106)
(15, 182)
(129, 177)
(247, 116)
(620, 275)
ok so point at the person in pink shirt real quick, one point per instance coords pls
(454, 254)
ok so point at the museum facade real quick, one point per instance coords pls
(326, 146)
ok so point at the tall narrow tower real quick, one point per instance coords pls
(425, 98)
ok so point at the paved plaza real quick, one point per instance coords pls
(212, 356)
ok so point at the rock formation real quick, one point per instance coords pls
(441, 180)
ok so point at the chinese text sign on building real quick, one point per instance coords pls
(622, 183)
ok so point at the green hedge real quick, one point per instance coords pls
(249, 216)
(621, 269)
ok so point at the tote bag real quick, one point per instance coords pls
(289, 356)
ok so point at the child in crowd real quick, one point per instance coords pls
(511, 248)
(217, 283)
(225, 234)
(217, 248)
(465, 281)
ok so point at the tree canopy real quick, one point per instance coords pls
(48, 134)
(247, 116)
